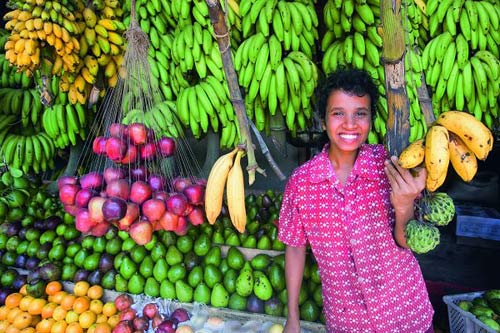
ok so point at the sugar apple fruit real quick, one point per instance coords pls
(438, 208)
(421, 237)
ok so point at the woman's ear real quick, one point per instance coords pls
(323, 125)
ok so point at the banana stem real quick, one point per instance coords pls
(222, 33)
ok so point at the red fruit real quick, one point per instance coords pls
(180, 315)
(100, 229)
(147, 151)
(169, 221)
(93, 180)
(140, 191)
(196, 216)
(66, 180)
(71, 209)
(141, 232)
(182, 226)
(123, 301)
(99, 145)
(131, 215)
(130, 156)
(119, 188)
(157, 320)
(95, 209)
(140, 324)
(150, 310)
(111, 173)
(162, 195)
(180, 183)
(116, 149)
(139, 173)
(83, 197)
(166, 146)
(125, 326)
(157, 182)
(195, 194)
(137, 133)
(117, 130)
(153, 209)
(114, 209)
(67, 193)
(128, 314)
(83, 223)
(177, 203)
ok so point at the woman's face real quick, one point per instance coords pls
(347, 120)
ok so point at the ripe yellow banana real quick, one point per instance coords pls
(462, 158)
(474, 133)
(235, 190)
(437, 156)
(412, 155)
(214, 191)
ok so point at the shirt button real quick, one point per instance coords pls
(361, 280)
(353, 242)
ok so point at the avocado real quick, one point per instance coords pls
(195, 277)
(152, 287)
(146, 267)
(276, 276)
(264, 243)
(230, 280)
(202, 245)
(262, 287)
(173, 256)
(273, 307)
(212, 275)
(250, 242)
(213, 256)
(176, 272)
(219, 296)
(232, 239)
(160, 269)
(235, 258)
(309, 311)
(136, 284)
(202, 293)
(245, 281)
(260, 261)
(183, 291)
(237, 302)
(167, 289)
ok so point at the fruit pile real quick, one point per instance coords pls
(129, 194)
(485, 307)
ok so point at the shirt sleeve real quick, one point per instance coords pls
(291, 230)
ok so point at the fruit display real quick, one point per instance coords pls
(485, 307)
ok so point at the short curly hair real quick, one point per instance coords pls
(353, 81)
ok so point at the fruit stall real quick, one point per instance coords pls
(145, 146)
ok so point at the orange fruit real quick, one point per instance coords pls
(36, 306)
(114, 320)
(81, 288)
(72, 317)
(101, 318)
(59, 327)
(23, 290)
(45, 325)
(102, 328)
(35, 320)
(13, 300)
(26, 302)
(59, 313)
(13, 313)
(57, 297)
(67, 301)
(12, 329)
(81, 304)
(3, 325)
(95, 292)
(74, 328)
(3, 312)
(96, 306)
(48, 310)
(22, 321)
(28, 330)
(87, 319)
(109, 309)
(53, 287)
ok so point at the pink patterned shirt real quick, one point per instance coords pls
(369, 283)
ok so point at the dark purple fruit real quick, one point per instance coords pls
(255, 304)
(81, 275)
(32, 263)
(95, 278)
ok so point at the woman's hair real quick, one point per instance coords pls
(352, 81)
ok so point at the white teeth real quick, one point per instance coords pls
(348, 136)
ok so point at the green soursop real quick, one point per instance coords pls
(421, 237)
(438, 208)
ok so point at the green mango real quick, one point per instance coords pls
(167, 289)
(262, 287)
(176, 272)
(202, 293)
(136, 284)
(212, 275)
(173, 256)
(146, 267)
(160, 269)
(183, 291)
(213, 256)
(235, 258)
(195, 277)
(219, 296)
(152, 287)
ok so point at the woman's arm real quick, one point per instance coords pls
(405, 188)
(294, 271)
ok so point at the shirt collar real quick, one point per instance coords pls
(365, 166)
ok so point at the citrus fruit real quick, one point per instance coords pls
(81, 287)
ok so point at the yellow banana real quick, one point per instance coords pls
(462, 158)
(235, 190)
(474, 133)
(214, 191)
(412, 155)
(437, 156)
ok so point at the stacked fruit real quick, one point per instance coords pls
(10, 76)
(457, 137)
(485, 307)
(462, 60)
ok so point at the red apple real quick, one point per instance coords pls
(116, 149)
(147, 151)
(166, 146)
(169, 221)
(112, 173)
(141, 324)
(141, 232)
(71, 209)
(157, 182)
(67, 193)
(162, 195)
(196, 216)
(123, 301)
(140, 172)
(100, 229)
(93, 180)
(125, 326)
(99, 145)
(83, 197)
(182, 226)
(137, 133)
(180, 183)
(140, 191)
(128, 314)
(157, 320)
(153, 209)
(66, 180)
(195, 194)
(150, 310)
(114, 209)
(177, 203)
(131, 155)
(95, 209)
(119, 188)
(131, 215)
(117, 130)
(83, 223)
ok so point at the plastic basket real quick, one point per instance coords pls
(463, 321)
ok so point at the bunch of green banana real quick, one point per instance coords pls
(24, 103)
(63, 121)
(345, 17)
(32, 24)
(25, 152)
